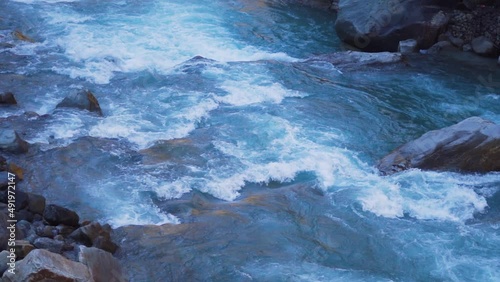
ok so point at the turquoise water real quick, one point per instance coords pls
(286, 147)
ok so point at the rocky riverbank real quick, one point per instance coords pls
(381, 25)
(50, 241)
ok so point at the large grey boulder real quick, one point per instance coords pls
(42, 265)
(8, 99)
(84, 100)
(11, 141)
(379, 25)
(472, 145)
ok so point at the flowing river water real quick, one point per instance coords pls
(223, 155)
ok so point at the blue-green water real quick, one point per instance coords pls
(265, 163)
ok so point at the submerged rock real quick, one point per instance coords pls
(472, 145)
(20, 36)
(84, 100)
(440, 46)
(11, 141)
(381, 25)
(42, 265)
(358, 59)
(8, 98)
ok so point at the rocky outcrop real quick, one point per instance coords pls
(354, 59)
(381, 25)
(472, 145)
(84, 100)
(408, 46)
(51, 229)
(11, 141)
(483, 46)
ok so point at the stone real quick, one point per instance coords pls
(84, 100)
(102, 265)
(23, 229)
(380, 25)
(472, 145)
(483, 46)
(55, 215)
(4, 180)
(23, 248)
(408, 46)
(64, 230)
(52, 245)
(24, 215)
(4, 232)
(10, 141)
(3, 164)
(4, 260)
(42, 265)
(8, 98)
(104, 243)
(17, 170)
(36, 203)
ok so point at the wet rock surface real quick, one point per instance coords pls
(84, 100)
(472, 145)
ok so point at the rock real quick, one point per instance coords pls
(472, 145)
(408, 46)
(11, 141)
(457, 42)
(52, 245)
(3, 163)
(42, 265)
(20, 36)
(23, 248)
(24, 215)
(8, 99)
(64, 230)
(4, 180)
(95, 235)
(22, 200)
(381, 25)
(440, 46)
(102, 265)
(23, 229)
(84, 100)
(36, 203)
(47, 231)
(55, 215)
(4, 260)
(18, 171)
(354, 59)
(483, 46)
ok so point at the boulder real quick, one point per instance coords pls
(42, 265)
(23, 248)
(95, 234)
(102, 265)
(55, 215)
(11, 141)
(408, 46)
(84, 100)
(7, 99)
(4, 232)
(439, 47)
(472, 145)
(483, 46)
(381, 25)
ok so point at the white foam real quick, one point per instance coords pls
(167, 36)
(425, 195)
(245, 93)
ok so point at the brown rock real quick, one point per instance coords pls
(102, 265)
(20, 36)
(8, 99)
(42, 265)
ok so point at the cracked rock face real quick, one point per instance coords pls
(472, 145)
